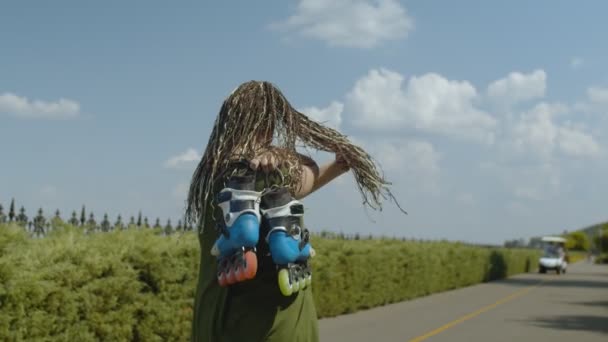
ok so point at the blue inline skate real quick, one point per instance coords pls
(240, 231)
(288, 242)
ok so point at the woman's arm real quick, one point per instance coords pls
(315, 177)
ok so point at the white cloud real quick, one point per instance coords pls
(330, 116)
(576, 62)
(428, 103)
(537, 131)
(574, 142)
(22, 107)
(598, 95)
(189, 156)
(537, 181)
(413, 162)
(518, 87)
(350, 23)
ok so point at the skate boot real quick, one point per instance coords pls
(288, 242)
(240, 231)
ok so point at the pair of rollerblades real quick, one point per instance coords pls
(248, 215)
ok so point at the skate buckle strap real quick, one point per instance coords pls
(293, 208)
(297, 209)
(241, 205)
(305, 238)
(288, 224)
(234, 202)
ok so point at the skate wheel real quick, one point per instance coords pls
(250, 265)
(240, 273)
(230, 272)
(231, 276)
(285, 282)
(294, 280)
(221, 272)
(221, 279)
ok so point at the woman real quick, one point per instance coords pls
(258, 125)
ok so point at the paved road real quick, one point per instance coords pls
(572, 307)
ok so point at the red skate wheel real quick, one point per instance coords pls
(230, 275)
(250, 265)
(239, 273)
(221, 279)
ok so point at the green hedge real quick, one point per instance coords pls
(353, 275)
(139, 286)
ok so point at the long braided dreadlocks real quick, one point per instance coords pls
(255, 111)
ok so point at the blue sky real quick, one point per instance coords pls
(489, 117)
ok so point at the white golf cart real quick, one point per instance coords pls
(555, 255)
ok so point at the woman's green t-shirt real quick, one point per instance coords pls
(252, 311)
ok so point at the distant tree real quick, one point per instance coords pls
(157, 224)
(2, 216)
(179, 227)
(578, 241)
(22, 218)
(74, 219)
(132, 223)
(146, 225)
(118, 224)
(56, 221)
(39, 223)
(535, 242)
(601, 239)
(11, 211)
(139, 220)
(83, 217)
(105, 224)
(515, 243)
(168, 228)
(91, 223)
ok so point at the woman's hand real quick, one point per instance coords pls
(266, 161)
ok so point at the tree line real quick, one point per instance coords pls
(40, 225)
(580, 240)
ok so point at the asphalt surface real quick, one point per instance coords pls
(570, 307)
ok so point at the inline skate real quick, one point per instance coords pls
(235, 248)
(288, 242)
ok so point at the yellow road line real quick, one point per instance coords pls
(474, 314)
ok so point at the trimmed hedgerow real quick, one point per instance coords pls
(137, 285)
